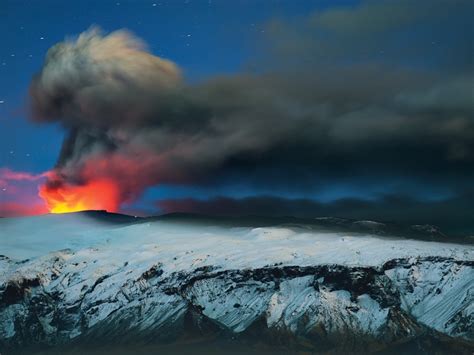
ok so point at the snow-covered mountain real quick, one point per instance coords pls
(88, 278)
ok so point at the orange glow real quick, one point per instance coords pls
(95, 195)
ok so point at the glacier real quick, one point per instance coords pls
(74, 279)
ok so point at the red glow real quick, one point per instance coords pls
(94, 195)
(15, 209)
(102, 182)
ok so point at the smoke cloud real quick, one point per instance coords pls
(302, 116)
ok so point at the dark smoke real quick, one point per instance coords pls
(343, 94)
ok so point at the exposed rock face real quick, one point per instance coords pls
(271, 284)
(61, 299)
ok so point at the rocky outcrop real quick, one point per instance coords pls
(64, 298)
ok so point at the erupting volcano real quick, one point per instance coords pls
(93, 195)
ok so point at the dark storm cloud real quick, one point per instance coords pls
(399, 31)
(342, 94)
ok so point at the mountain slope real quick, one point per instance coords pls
(161, 281)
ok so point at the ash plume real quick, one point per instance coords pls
(305, 116)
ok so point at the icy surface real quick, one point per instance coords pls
(183, 246)
(71, 277)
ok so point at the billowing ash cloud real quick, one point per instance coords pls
(101, 81)
(318, 110)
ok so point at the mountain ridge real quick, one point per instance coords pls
(383, 228)
(71, 281)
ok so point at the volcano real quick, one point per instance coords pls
(98, 282)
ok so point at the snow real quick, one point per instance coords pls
(436, 295)
(143, 277)
(236, 308)
(181, 246)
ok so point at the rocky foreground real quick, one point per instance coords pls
(75, 280)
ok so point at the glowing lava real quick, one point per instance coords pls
(94, 195)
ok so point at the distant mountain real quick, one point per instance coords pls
(425, 232)
(382, 228)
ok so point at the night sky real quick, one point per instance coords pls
(359, 109)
